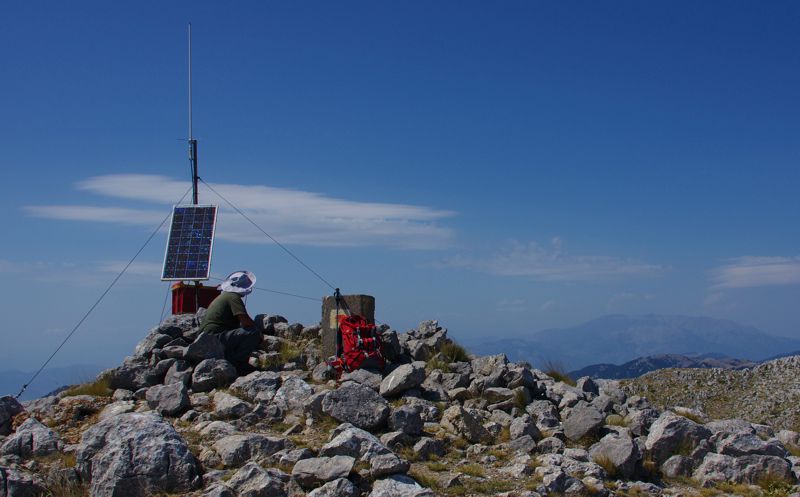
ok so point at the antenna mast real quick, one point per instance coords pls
(192, 141)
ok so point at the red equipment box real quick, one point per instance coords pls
(185, 298)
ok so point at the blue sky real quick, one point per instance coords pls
(503, 167)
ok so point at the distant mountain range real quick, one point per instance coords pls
(642, 365)
(617, 339)
(48, 380)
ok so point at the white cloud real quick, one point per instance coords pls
(755, 271)
(623, 300)
(137, 268)
(291, 216)
(537, 262)
(102, 214)
(549, 305)
(511, 305)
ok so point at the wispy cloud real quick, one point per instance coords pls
(549, 305)
(291, 216)
(755, 271)
(137, 268)
(551, 264)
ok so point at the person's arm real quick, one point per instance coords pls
(245, 321)
(240, 312)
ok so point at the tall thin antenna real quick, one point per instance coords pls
(192, 141)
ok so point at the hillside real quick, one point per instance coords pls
(176, 419)
(616, 339)
(642, 365)
(767, 394)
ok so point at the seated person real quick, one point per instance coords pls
(227, 318)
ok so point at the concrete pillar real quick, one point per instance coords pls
(363, 305)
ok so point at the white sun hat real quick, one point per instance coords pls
(241, 282)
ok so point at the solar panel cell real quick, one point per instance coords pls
(189, 246)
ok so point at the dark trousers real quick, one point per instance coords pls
(239, 343)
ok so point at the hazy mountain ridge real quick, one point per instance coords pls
(642, 365)
(49, 380)
(617, 339)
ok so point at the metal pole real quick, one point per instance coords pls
(192, 141)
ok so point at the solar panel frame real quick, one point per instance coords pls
(190, 243)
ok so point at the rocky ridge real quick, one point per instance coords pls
(766, 394)
(176, 419)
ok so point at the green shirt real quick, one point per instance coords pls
(221, 314)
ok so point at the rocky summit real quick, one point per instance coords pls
(176, 419)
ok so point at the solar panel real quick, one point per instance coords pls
(191, 236)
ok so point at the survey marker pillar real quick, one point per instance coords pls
(363, 305)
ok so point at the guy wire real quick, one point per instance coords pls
(114, 282)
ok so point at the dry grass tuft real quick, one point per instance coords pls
(608, 465)
(473, 470)
(616, 420)
(453, 352)
(558, 372)
(100, 387)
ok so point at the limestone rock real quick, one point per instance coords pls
(337, 488)
(312, 472)
(254, 481)
(235, 450)
(387, 464)
(427, 447)
(639, 422)
(356, 404)
(17, 483)
(498, 394)
(155, 339)
(258, 386)
(133, 376)
(292, 395)
(365, 377)
(587, 385)
(717, 468)
(32, 438)
(746, 444)
(399, 486)
(459, 420)
(229, 406)
(216, 429)
(582, 421)
(117, 408)
(211, 374)
(487, 365)
(291, 456)
(620, 451)
(671, 432)
(168, 400)
(179, 372)
(127, 454)
(522, 426)
(354, 442)
(677, 466)
(406, 419)
(404, 377)
(523, 445)
(205, 346)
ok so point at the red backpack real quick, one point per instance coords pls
(360, 346)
